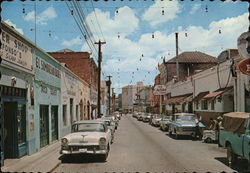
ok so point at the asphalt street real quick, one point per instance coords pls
(139, 147)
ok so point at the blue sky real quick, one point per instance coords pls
(135, 23)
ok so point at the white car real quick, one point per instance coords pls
(87, 137)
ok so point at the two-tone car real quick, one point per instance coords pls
(87, 137)
(146, 117)
(112, 118)
(165, 122)
(156, 120)
(184, 124)
(111, 125)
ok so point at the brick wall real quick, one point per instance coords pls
(81, 64)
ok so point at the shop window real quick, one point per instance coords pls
(197, 104)
(212, 104)
(65, 115)
(204, 105)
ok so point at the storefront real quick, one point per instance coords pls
(16, 93)
(47, 88)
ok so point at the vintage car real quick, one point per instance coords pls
(139, 116)
(117, 115)
(111, 125)
(184, 124)
(135, 114)
(87, 137)
(112, 118)
(156, 120)
(234, 135)
(164, 123)
(146, 117)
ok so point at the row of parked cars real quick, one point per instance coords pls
(176, 125)
(91, 136)
(233, 134)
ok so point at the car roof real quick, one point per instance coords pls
(184, 114)
(88, 122)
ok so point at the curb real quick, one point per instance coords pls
(56, 166)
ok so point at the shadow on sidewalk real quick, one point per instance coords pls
(80, 159)
(240, 166)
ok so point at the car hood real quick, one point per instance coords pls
(188, 124)
(84, 137)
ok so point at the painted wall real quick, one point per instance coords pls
(47, 89)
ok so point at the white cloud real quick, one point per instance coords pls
(154, 13)
(195, 8)
(72, 42)
(125, 20)
(9, 22)
(43, 17)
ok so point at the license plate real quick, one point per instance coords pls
(83, 150)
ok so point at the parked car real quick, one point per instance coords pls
(111, 125)
(112, 118)
(87, 137)
(184, 124)
(146, 117)
(210, 136)
(139, 116)
(117, 115)
(135, 114)
(235, 136)
(164, 123)
(156, 120)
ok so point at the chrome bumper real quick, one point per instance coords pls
(186, 133)
(84, 152)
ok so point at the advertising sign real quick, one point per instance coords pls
(244, 66)
(159, 90)
(15, 51)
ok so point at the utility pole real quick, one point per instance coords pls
(113, 100)
(177, 60)
(109, 84)
(99, 78)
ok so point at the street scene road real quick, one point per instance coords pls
(140, 147)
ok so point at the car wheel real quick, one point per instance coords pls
(208, 140)
(231, 156)
(170, 133)
(105, 156)
(175, 134)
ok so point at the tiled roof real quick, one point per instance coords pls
(193, 57)
(217, 93)
(178, 99)
(200, 96)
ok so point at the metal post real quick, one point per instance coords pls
(177, 61)
(99, 78)
(109, 84)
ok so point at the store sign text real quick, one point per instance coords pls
(40, 64)
(15, 51)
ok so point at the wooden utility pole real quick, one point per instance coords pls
(109, 84)
(99, 77)
(177, 60)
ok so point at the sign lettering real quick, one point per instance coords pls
(15, 51)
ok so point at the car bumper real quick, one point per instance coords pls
(190, 133)
(84, 152)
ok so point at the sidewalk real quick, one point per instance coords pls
(43, 161)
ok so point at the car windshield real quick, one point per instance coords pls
(158, 116)
(88, 127)
(185, 118)
(166, 118)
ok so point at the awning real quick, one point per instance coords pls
(200, 96)
(217, 93)
(178, 99)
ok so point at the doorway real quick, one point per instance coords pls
(44, 125)
(10, 130)
(54, 122)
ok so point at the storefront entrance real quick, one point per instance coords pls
(54, 122)
(44, 125)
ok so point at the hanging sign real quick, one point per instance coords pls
(244, 66)
(15, 51)
(159, 90)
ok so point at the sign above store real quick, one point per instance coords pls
(159, 90)
(15, 51)
(244, 66)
